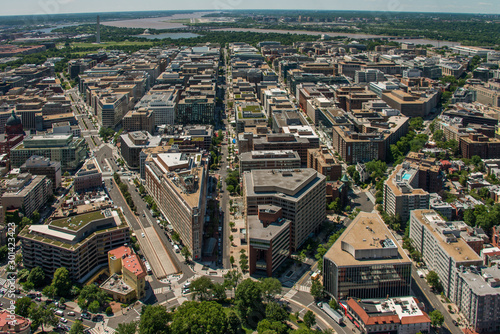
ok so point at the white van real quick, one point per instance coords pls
(59, 313)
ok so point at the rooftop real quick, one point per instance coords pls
(75, 223)
(367, 233)
(130, 260)
(483, 282)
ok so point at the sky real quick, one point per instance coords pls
(26, 7)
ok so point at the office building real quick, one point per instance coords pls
(391, 315)
(321, 160)
(111, 108)
(196, 109)
(38, 165)
(132, 143)
(161, 104)
(139, 120)
(27, 193)
(69, 151)
(402, 193)
(300, 193)
(80, 243)
(478, 298)
(414, 104)
(268, 160)
(88, 177)
(269, 239)
(442, 248)
(178, 184)
(366, 262)
(127, 275)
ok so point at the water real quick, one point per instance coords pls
(172, 35)
(49, 30)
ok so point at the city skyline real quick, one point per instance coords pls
(52, 7)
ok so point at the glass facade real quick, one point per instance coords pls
(370, 281)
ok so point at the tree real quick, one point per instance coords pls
(94, 307)
(270, 287)
(201, 287)
(232, 278)
(35, 217)
(437, 318)
(476, 160)
(199, 317)
(267, 327)
(231, 260)
(49, 291)
(219, 291)
(154, 320)
(92, 298)
(61, 282)
(230, 188)
(175, 237)
(127, 328)
(433, 279)
(77, 328)
(233, 323)
(243, 262)
(22, 306)
(309, 319)
(248, 300)
(4, 251)
(186, 253)
(317, 290)
(274, 312)
(333, 304)
(36, 277)
(41, 315)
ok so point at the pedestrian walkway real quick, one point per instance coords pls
(290, 294)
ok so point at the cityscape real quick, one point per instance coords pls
(227, 170)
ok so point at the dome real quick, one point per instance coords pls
(13, 119)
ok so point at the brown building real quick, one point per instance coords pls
(411, 104)
(269, 239)
(139, 120)
(13, 324)
(480, 145)
(429, 175)
(88, 177)
(321, 160)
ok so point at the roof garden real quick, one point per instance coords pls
(75, 223)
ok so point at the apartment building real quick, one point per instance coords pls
(401, 192)
(366, 262)
(162, 103)
(66, 149)
(321, 160)
(80, 243)
(269, 239)
(38, 165)
(178, 184)
(301, 193)
(127, 275)
(88, 177)
(442, 248)
(132, 143)
(27, 193)
(479, 297)
(268, 160)
(480, 145)
(111, 108)
(414, 104)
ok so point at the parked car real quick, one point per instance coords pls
(71, 313)
(64, 320)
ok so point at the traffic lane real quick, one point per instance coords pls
(118, 200)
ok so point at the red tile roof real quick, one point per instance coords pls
(130, 261)
(415, 319)
(6, 321)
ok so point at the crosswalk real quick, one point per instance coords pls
(100, 330)
(161, 290)
(300, 287)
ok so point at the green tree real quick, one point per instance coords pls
(22, 306)
(274, 312)
(232, 278)
(42, 315)
(219, 291)
(476, 160)
(199, 317)
(266, 326)
(4, 251)
(333, 304)
(36, 277)
(49, 291)
(309, 319)
(186, 253)
(154, 320)
(233, 323)
(94, 307)
(35, 217)
(248, 300)
(77, 328)
(202, 287)
(437, 319)
(92, 298)
(127, 328)
(317, 290)
(243, 262)
(270, 287)
(433, 279)
(61, 282)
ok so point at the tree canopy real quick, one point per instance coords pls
(199, 317)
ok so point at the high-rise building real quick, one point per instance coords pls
(366, 262)
(88, 177)
(301, 193)
(27, 193)
(80, 243)
(37, 165)
(442, 248)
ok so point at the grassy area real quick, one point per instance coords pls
(297, 322)
(252, 108)
(76, 222)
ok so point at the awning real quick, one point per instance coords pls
(357, 325)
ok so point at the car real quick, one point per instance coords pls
(144, 215)
(143, 235)
(186, 291)
(97, 318)
(71, 313)
(38, 299)
(85, 316)
(63, 320)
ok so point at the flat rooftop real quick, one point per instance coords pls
(362, 233)
(459, 250)
(74, 223)
(479, 281)
(396, 186)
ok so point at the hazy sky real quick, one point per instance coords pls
(78, 6)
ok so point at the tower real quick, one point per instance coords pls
(98, 33)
